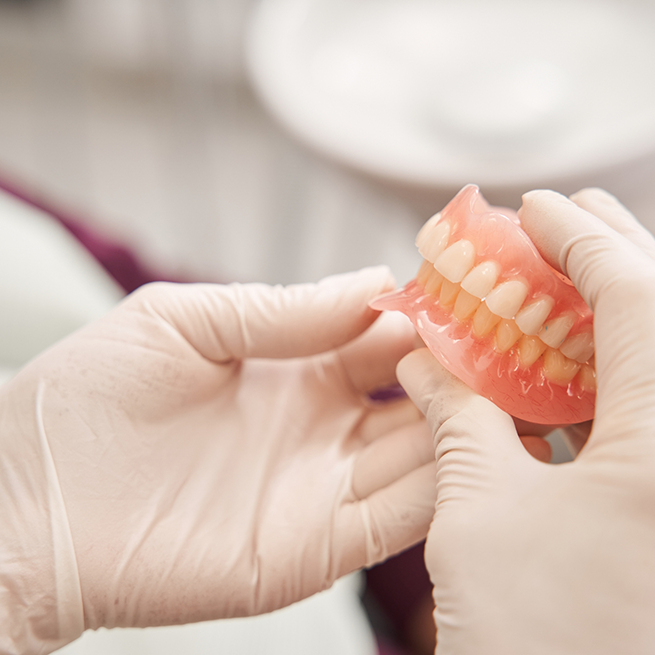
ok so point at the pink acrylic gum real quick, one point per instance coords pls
(497, 316)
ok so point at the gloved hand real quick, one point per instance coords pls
(527, 557)
(205, 451)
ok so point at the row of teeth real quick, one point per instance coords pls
(471, 291)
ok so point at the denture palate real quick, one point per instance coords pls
(470, 289)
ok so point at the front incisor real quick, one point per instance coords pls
(484, 320)
(465, 305)
(506, 299)
(433, 285)
(433, 237)
(448, 293)
(456, 260)
(558, 368)
(424, 272)
(482, 279)
(530, 349)
(507, 334)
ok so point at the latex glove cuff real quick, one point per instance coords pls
(39, 581)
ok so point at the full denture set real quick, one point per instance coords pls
(497, 316)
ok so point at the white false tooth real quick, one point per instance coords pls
(587, 378)
(448, 293)
(482, 279)
(559, 369)
(530, 318)
(427, 227)
(507, 334)
(579, 347)
(506, 299)
(557, 329)
(433, 237)
(456, 260)
(484, 321)
(434, 282)
(424, 272)
(530, 350)
(465, 305)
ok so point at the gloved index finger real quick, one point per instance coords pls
(605, 206)
(617, 280)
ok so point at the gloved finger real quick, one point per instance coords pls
(391, 457)
(616, 278)
(389, 520)
(476, 444)
(594, 255)
(369, 361)
(386, 417)
(538, 447)
(231, 322)
(604, 205)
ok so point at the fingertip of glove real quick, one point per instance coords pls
(538, 198)
(376, 278)
(419, 373)
(411, 361)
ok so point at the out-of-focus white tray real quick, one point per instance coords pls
(499, 92)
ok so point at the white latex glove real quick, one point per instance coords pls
(205, 451)
(531, 558)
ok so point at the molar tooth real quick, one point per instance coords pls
(506, 299)
(424, 272)
(484, 320)
(587, 378)
(448, 293)
(432, 238)
(530, 349)
(465, 305)
(482, 279)
(456, 260)
(507, 334)
(556, 330)
(433, 285)
(558, 368)
(579, 346)
(530, 318)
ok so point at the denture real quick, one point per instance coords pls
(497, 316)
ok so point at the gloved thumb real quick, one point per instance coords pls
(476, 444)
(231, 322)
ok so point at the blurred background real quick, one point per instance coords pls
(137, 117)
(282, 141)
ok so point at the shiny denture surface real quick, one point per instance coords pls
(498, 316)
